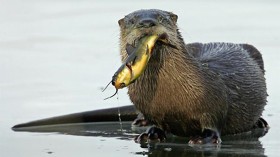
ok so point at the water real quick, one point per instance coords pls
(56, 56)
(245, 144)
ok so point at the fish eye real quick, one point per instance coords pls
(122, 85)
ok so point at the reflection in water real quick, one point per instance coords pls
(238, 148)
(243, 145)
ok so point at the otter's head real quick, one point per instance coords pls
(148, 22)
(144, 33)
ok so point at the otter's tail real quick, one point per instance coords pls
(128, 113)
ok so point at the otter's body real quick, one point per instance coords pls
(194, 87)
(240, 68)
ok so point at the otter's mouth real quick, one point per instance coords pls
(163, 39)
(139, 54)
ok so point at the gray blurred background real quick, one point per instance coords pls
(57, 55)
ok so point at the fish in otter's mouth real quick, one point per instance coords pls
(138, 58)
(136, 63)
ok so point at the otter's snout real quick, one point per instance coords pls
(146, 23)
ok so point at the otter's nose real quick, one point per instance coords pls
(146, 23)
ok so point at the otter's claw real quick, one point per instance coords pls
(207, 136)
(152, 134)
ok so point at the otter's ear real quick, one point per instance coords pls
(174, 17)
(121, 22)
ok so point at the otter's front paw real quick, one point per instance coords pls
(207, 136)
(152, 134)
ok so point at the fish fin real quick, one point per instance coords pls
(147, 49)
(129, 49)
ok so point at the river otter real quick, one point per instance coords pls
(197, 90)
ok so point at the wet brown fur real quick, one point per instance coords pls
(218, 86)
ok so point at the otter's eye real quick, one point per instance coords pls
(131, 21)
(161, 19)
